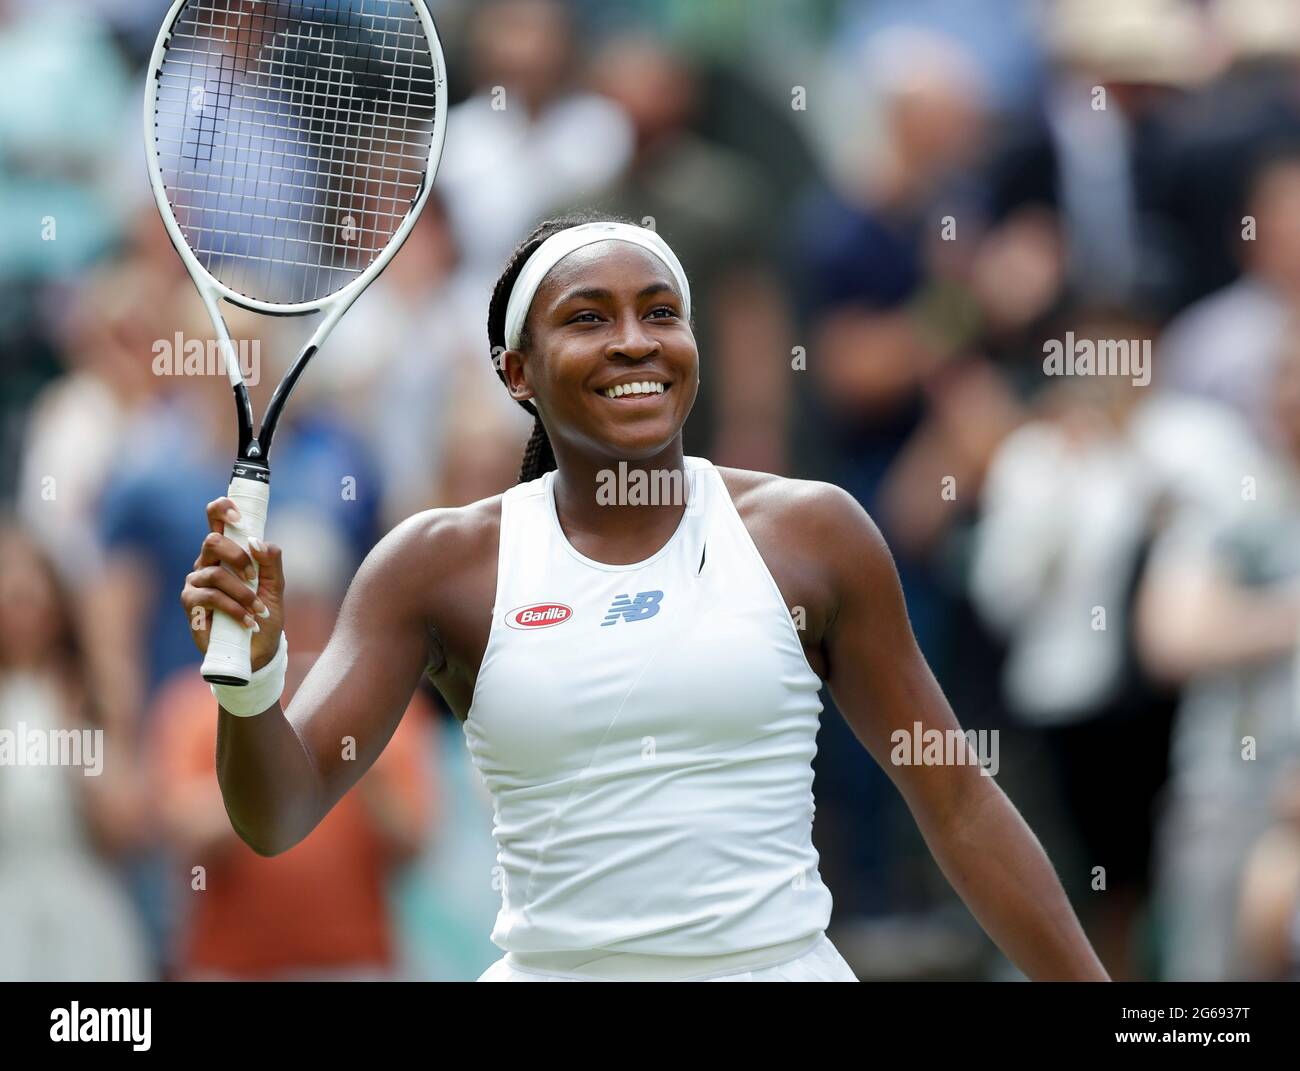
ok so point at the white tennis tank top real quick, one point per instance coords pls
(646, 732)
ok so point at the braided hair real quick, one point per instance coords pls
(539, 458)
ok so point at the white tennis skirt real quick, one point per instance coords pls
(813, 960)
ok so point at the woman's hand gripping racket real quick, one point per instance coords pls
(291, 146)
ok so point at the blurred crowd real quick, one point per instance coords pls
(890, 210)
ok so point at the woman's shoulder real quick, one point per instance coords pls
(785, 498)
(443, 538)
(813, 517)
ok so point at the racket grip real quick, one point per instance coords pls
(229, 644)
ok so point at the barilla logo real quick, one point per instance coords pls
(539, 615)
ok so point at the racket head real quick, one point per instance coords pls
(292, 144)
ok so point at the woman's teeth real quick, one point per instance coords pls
(634, 388)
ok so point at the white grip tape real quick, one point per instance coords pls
(229, 642)
(262, 692)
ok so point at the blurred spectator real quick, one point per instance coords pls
(408, 369)
(483, 444)
(1069, 500)
(78, 425)
(863, 252)
(62, 85)
(320, 910)
(528, 138)
(177, 460)
(1002, 35)
(1227, 345)
(134, 23)
(30, 363)
(1268, 925)
(713, 206)
(868, 257)
(1220, 613)
(62, 88)
(64, 916)
(1219, 133)
(1095, 156)
(1071, 503)
(872, 261)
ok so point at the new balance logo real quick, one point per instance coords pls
(646, 604)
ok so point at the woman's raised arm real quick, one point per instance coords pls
(281, 771)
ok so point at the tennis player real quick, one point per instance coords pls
(634, 641)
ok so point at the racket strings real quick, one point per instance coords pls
(294, 137)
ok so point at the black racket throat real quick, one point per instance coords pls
(254, 459)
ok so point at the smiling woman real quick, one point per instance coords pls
(633, 687)
(547, 261)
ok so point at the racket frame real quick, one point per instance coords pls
(229, 642)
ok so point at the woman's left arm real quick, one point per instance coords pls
(883, 686)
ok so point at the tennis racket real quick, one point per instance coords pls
(292, 144)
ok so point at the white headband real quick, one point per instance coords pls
(560, 245)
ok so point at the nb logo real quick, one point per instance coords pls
(646, 604)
